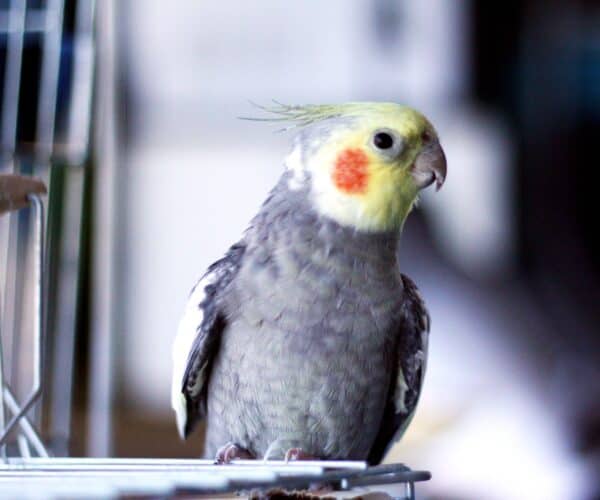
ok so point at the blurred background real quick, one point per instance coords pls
(129, 111)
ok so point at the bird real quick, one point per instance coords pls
(15, 189)
(305, 341)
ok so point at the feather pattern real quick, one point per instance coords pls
(403, 396)
(304, 115)
(198, 339)
(297, 115)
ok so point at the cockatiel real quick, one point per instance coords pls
(305, 340)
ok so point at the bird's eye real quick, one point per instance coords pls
(387, 143)
(425, 136)
(383, 140)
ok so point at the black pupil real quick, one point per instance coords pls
(383, 140)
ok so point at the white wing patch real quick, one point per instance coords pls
(186, 334)
(423, 353)
(400, 394)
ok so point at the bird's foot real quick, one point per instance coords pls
(229, 452)
(297, 454)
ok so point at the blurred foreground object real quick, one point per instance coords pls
(15, 189)
(305, 340)
(47, 68)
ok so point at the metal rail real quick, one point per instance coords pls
(65, 477)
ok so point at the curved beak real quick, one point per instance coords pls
(430, 166)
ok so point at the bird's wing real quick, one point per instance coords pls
(198, 339)
(409, 374)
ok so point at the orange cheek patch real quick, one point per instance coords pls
(350, 172)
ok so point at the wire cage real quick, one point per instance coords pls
(48, 59)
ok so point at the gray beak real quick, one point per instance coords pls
(430, 166)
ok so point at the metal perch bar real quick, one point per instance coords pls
(166, 477)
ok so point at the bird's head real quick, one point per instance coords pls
(364, 163)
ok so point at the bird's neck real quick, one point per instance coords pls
(291, 225)
(370, 247)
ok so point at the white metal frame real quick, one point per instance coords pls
(28, 433)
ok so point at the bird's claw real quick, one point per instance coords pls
(229, 452)
(294, 454)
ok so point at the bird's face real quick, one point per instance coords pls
(367, 167)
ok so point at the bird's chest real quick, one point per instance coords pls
(314, 314)
(308, 349)
(309, 292)
(313, 355)
(312, 386)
